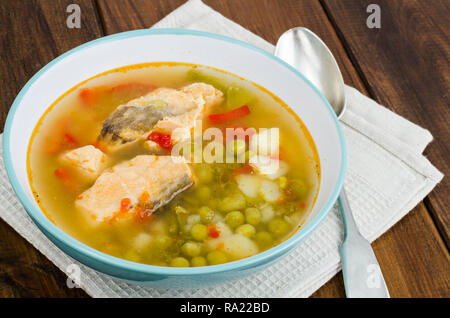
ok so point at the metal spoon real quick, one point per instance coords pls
(305, 51)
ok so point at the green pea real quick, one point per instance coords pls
(179, 262)
(234, 202)
(198, 261)
(191, 249)
(299, 188)
(216, 257)
(203, 193)
(252, 216)
(234, 218)
(162, 241)
(278, 227)
(205, 174)
(213, 203)
(263, 239)
(199, 232)
(282, 182)
(246, 230)
(206, 214)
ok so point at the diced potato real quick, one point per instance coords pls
(88, 161)
(266, 142)
(271, 168)
(248, 184)
(191, 221)
(223, 229)
(234, 202)
(236, 246)
(267, 213)
(142, 241)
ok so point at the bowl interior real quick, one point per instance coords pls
(181, 46)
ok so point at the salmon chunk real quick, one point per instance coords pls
(208, 93)
(139, 186)
(162, 110)
(87, 161)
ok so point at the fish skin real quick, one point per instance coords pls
(162, 110)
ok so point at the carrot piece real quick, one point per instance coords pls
(247, 169)
(100, 146)
(145, 196)
(62, 173)
(53, 147)
(88, 97)
(212, 230)
(71, 140)
(144, 216)
(220, 246)
(125, 205)
(231, 115)
(66, 179)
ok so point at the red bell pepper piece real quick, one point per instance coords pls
(212, 230)
(164, 140)
(231, 115)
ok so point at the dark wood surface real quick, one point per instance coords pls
(403, 65)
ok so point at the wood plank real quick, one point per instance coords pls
(419, 253)
(270, 19)
(405, 65)
(33, 33)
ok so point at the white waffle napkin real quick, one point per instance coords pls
(387, 176)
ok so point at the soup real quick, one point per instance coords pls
(173, 164)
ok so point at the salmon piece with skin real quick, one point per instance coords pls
(87, 161)
(163, 110)
(147, 181)
(208, 93)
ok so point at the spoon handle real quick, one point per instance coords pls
(362, 274)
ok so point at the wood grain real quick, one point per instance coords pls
(32, 34)
(405, 65)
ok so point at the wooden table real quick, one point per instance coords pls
(403, 65)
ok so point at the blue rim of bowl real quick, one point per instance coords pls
(120, 264)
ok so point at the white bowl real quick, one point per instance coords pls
(163, 45)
